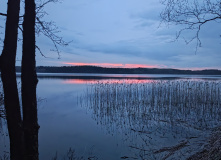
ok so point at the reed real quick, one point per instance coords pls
(195, 102)
(2, 111)
(171, 109)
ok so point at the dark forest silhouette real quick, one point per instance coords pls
(103, 70)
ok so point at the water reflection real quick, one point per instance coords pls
(119, 118)
(94, 81)
(159, 118)
(20, 129)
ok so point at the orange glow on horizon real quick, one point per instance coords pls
(118, 65)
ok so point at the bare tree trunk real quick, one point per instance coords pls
(29, 83)
(8, 75)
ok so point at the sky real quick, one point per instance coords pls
(122, 33)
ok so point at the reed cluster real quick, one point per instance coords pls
(196, 102)
(158, 112)
(2, 110)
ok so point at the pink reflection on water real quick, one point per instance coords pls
(133, 79)
(78, 81)
(94, 81)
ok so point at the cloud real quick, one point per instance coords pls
(154, 47)
(125, 33)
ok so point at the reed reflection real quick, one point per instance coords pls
(159, 119)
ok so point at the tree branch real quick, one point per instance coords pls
(40, 51)
(35, 45)
(50, 30)
(190, 14)
(43, 4)
(3, 14)
(20, 28)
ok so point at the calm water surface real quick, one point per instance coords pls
(111, 117)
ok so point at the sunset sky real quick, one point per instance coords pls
(122, 33)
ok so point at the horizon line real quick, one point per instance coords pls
(191, 69)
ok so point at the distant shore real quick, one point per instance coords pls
(102, 70)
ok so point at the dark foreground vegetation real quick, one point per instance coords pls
(102, 70)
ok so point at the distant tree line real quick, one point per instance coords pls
(103, 70)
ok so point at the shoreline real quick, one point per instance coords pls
(212, 151)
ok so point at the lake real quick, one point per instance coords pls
(111, 117)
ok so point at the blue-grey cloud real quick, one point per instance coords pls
(125, 31)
